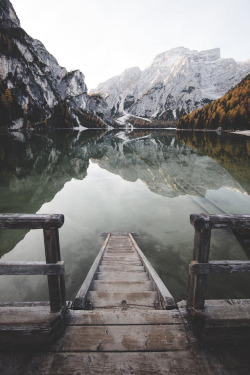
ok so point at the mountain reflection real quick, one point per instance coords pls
(34, 168)
(231, 151)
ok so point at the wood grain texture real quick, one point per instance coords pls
(220, 221)
(31, 221)
(120, 338)
(112, 299)
(29, 324)
(122, 276)
(124, 317)
(79, 302)
(127, 268)
(159, 363)
(31, 268)
(167, 299)
(56, 284)
(220, 266)
(118, 286)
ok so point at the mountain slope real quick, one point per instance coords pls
(177, 82)
(232, 111)
(35, 89)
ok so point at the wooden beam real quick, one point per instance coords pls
(197, 283)
(220, 266)
(220, 221)
(55, 282)
(167, 299)
(31, 268)
(79, 302)
(31, 221)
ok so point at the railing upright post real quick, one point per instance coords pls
(197, 283)
(56, 283)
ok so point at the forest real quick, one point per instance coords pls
(230, 112)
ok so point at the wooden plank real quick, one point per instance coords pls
(31, 221)
(114, 258)
(120, 338)
(197, 283)
(79, 302)
(116, 286)
(167, 299)
(110, 299)
(220, 266)
(226, 313)
(121, 268)
(31, 268)
(122, 276)
(121, 262)
(10, 316)
(151, 363)
(29, 325)
(117, 317)
(221, 221)
(55, 282)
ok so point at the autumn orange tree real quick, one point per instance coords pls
(229, 112)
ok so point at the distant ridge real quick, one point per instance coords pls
(174, 84)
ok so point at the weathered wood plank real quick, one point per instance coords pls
(10, 316)
(29, 325)
(31, 221)
(79, 302)
(126, 286)
(158, 363)
(56, 283)
(197, 284)
(120, 268)
(120, 338)
(31, 268)
(223, 320)
(220, 266)
(122, 276)
(220, 221)
(233, 312)
(121, 262)
(117, 317)
(110, 299)
(117, 257)
(167, 299)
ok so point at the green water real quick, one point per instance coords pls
(144, 182)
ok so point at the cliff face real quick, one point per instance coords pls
(35, 89)
(177, 82)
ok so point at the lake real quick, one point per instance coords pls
(147, 182)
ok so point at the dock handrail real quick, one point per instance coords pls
(200, 267)
(53, 267)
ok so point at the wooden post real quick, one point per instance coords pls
(56, 282)
(197, 283)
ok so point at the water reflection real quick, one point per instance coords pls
(142, 182)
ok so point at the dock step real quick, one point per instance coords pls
(120, 278)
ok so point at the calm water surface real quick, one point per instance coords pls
(141, 182)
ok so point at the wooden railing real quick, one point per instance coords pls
(200, 267)
(53, 267)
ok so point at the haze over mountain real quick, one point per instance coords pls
(177, 82)
(35, 89)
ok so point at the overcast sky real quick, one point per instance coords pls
(104, 37)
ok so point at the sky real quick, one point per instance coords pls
(102, 38)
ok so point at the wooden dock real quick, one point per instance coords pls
(123, 321)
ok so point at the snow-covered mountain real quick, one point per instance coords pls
(34, 88)
(177, 81)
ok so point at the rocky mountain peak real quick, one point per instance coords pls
(8, 17)
(176, 82)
